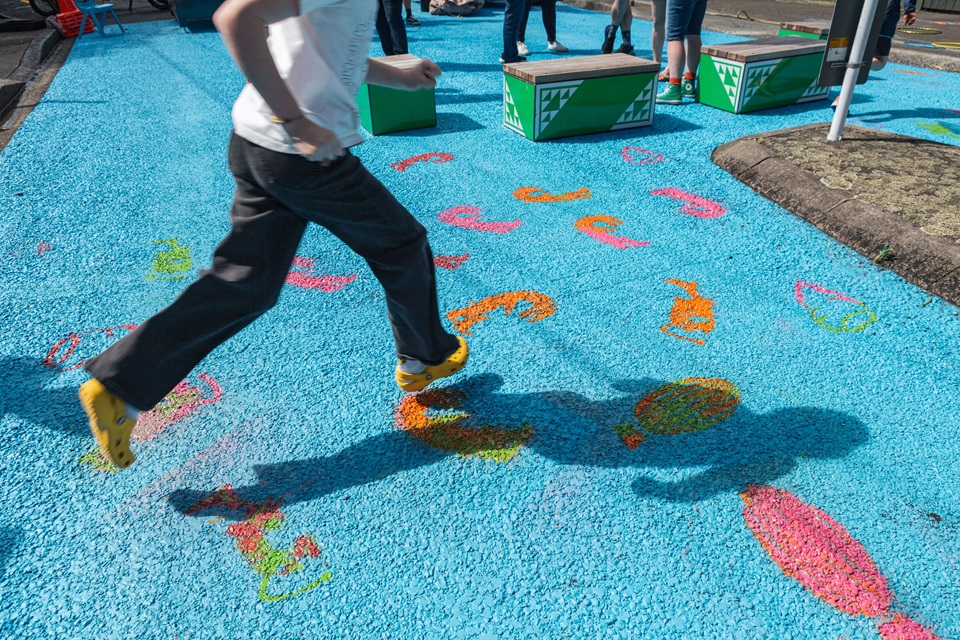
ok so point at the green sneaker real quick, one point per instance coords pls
(688, 88)
(670, 95)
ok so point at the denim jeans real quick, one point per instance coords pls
(277, 195)
(549, 9)
(888, 29)
(512, 15)
(685, 18)
(391, 28)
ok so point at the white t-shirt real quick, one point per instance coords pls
(322, 56)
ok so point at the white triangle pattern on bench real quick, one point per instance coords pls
(756, 76)
(640, 110)
(551, 98)
(511, 115)
(730, 76)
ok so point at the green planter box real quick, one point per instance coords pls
(384, 110)
(574, 96)
(816, 29)
(761, 74)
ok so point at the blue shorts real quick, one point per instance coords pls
(684, 18)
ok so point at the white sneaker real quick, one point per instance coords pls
(556, 47)
(522, 49)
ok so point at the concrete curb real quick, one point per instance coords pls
(37, 51)
(928, 261)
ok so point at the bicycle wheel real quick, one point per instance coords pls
(163, 5)
(45, 7)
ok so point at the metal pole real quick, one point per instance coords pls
(854, 64)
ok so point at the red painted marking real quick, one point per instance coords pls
(450, 262)
(630, 154)
(43, 247)
(913, 73)
(467, 217)
(693, 205)
(307, 280)
(74, 340)
(436, 158)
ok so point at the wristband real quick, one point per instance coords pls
(276, 120)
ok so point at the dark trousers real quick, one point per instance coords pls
(512, 15)
(549, 10)
(277, 195)
(888, 29)
(390, 27)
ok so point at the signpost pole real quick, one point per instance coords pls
(857, 51)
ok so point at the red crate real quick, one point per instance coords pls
(68, 23)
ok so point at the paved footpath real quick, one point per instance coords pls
(704, 420)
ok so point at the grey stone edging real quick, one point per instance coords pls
(928, 261)
(37, 51)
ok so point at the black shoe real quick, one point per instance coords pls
(625, 48)
(412, 19)
(519, 59)
(609, 36)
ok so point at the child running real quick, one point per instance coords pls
(293, 124)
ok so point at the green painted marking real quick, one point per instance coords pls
(171, 263)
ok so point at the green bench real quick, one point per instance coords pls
(761, 74)
(384, 110)
(574, 96)
(816, 29)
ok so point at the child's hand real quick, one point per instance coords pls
(422, 76)
(909, 18)
(313, 142)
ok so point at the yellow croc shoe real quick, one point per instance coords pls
(411, 382)
(110, 424)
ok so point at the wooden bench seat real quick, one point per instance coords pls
(384, 110)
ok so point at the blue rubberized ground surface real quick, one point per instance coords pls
(576, 535)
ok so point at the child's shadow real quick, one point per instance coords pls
(573, 430)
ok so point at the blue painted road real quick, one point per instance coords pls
(792, 472)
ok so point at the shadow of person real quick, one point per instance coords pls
(573, 430)
(9, 540)
(28, 399)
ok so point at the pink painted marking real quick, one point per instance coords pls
(307, 280)
(646, 157)
(467, 217)
(901, 628)
(152, 423)
(618, 242)
(801, 294)
(436, 158)
(43, 247)
(693, 205)
(816, 551)
(450, 262)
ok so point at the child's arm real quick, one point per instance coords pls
(243, 26)
(422, 76)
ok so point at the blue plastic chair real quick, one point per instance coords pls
(98, 13)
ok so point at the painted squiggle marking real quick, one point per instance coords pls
(58, 361)
(861, 312)
(180, 403)
(690, 314)
(449, 431)
(172, 262)
(435, 158)
(816, 551)
(638, 156)
(693, 205)
(307, 280)
(450, 262)
(684, 406)
(43, 247)
(541, 306)
(536, 194)
(602, 227)
(250, 535)
(938, 128)
(467, 217)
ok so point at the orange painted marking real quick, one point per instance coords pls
(536, 194)
(690, 314)
(542, 306)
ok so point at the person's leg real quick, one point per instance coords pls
(678, 19)
(618, 11)
(658, 15)
(249, 268)
(393, 10)
(411, 19)
(522, 30)
(887, 30)
(512, 14)
(384, 31)
(625, 25)
(353, 205)
(549, 10)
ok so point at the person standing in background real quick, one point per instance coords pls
(658, 15)
(411, 19)
(549, 10)
(390, 27)
(512, 14)
(684, 20)
(620, 16)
